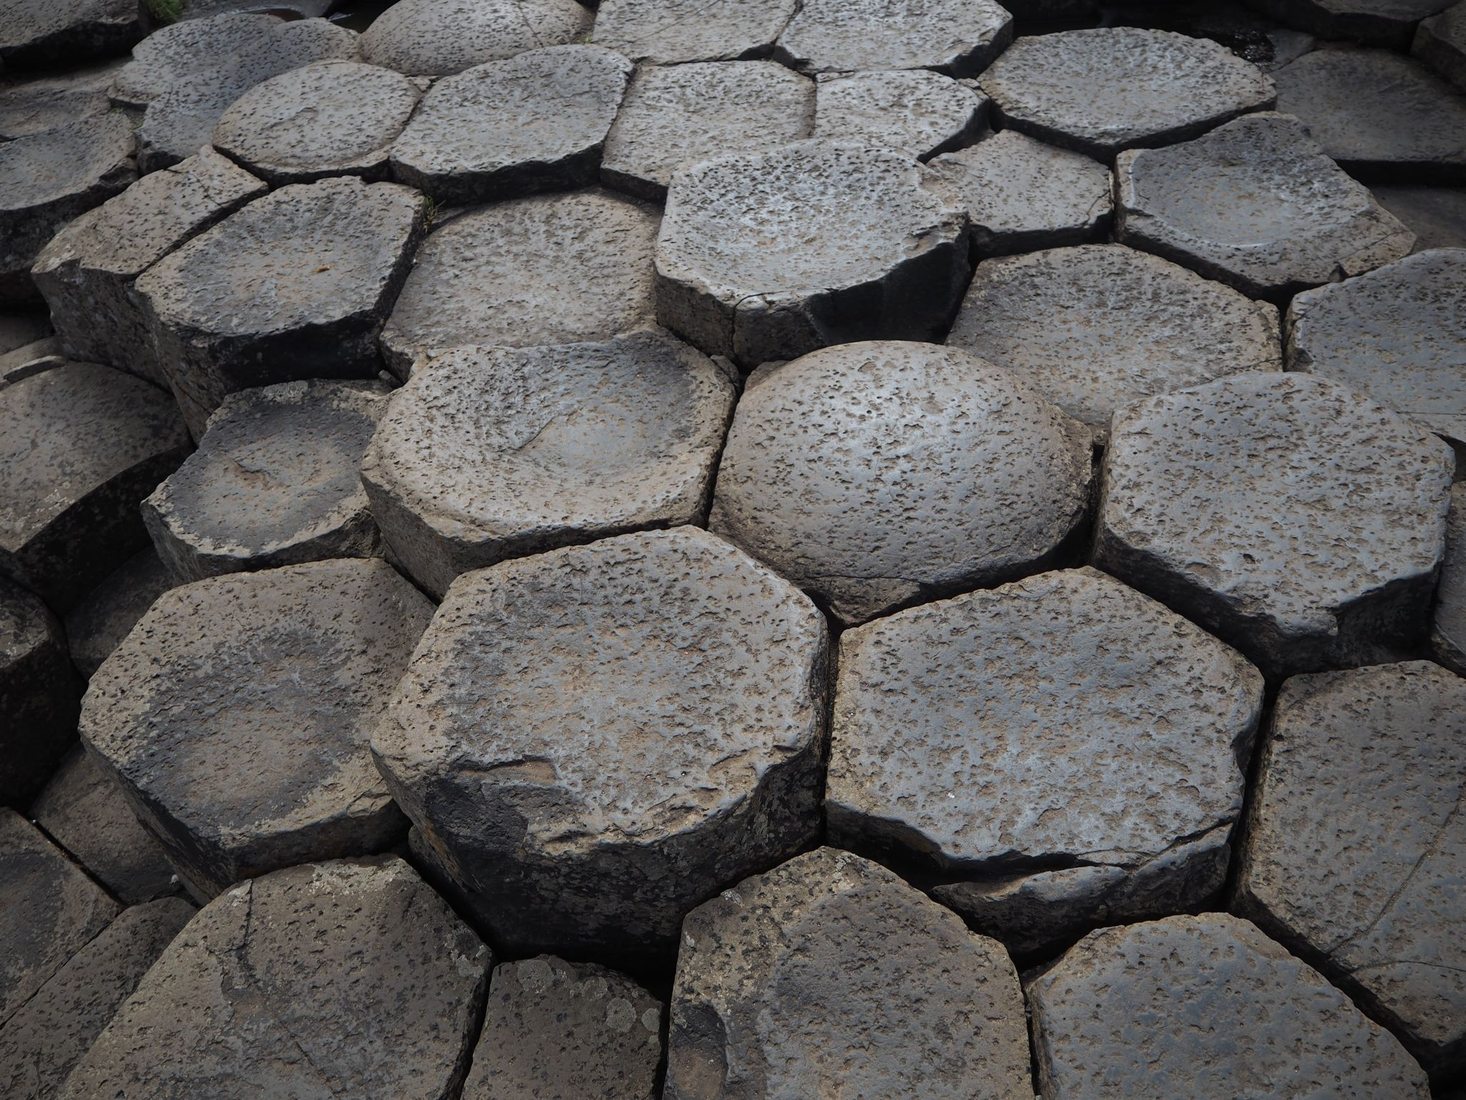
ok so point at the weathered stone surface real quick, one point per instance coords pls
(553, 269)
(1376, 22)
(1098, 327)
(596, 739)
(1256, 204)
(33, 106)
(38, 695)
(237, 713)
(1356, 848)
(829, 976)
(96, 626)
(1440, 42)
(34, 32)
(878, 474)
(915, 112)
(87, 271)
(1436, 215)
(769, 255)
(555, 1028)
(186, 52)
(295, 285)
(332, 979)
(44, 1039)
(31, 359)
(668, 32)
(1204, 1007)
(80, 446)
(21, 327)
(534, 122)
(275, 481)
(1448, 629)
(494, 453)
(679, 114)
(957, 37)
(1287, 514)
(440, 37)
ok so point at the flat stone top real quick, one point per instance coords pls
(43, 103)
(1436, 215)
(439, 37)
(955, 36)
(648, 681)
(913, 111)
(190, 49)
(44, 28)
(668, 32)
(60, 164)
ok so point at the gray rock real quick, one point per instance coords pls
(555, 1028)
(535, 122)
(33, 106)
(1436, 215)
(679, 114)
(1205, 1007)
(669, 32)
(494, 453)
(38, 695)
(29, 360)
(830, 976)
(769, 255)
(594, 740)
(86, 272)
(303, 9)
(440, 37)
(1098, 327)
(295, 285)
(237, 713)
(189, 51)
(1356, 848)
(275, 481)
(332, 979)
(1376, 22)
(1440, 42)
(957, 37)
(1256, 204)
(880, 474)
(21, 327)
(915, 112)
(97, 625)
(1448, 628)
(1292, 517)
(38, 32)
(554, 269)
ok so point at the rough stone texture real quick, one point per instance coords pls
(957, 37)
(43, 103)
(553, 269)
(1356, 848)
(86, 272)
(770, 255)
(304, 9)
(43, 1041)
(441, 37)
(1204, 1007)
(1287, 514)
(829, 976)
(1436, 215)
(1376, 22)
(1256, 204)
(80, 446)
(555, 1028)
(31, 359)
(237, 713)
(38, 695)
(274, 482)
(1448, 629)
(668, 32)
(1103, 90)
(97, 625)
(680, 114)
(295, 285)
(535, 122)
(594, 740)
(1098, 327)
(333, 979)
(915, 112)
(1440, 42)
(878, 474)
(34, 32)
(494, 453)
(185, 52)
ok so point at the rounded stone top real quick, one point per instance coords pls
(669, 32)
(957, 37)
(91, 156)
(439, 37)
(26, 625)
(913, 111)
(186, 49)
(877, 474)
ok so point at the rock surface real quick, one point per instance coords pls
(39, 31)
(1436, 215)
(669, 32)
(38, 695)
(45, 102)
(1377, 22)
(1448, 628)
(957, 37)
(915, 112)
(1440, 42)
(441, 37)
(97, 625)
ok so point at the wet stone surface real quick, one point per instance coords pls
(38, 31)
(1436, 215)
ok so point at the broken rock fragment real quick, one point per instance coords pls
(915, 112)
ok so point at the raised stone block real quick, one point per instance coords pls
(912, 111)
(670, 32)
(442, 37)
(956, 37)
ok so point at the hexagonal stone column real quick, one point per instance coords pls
(331, 979)
(1191, 1006)
(957, 37)
(1356, 847)
(830, 974)
(1287, 514)
(594, 740)
(915, 112)
(35, 32)
(442, 37)
(1440, 42)
(237, 712)
(883, 473)
(494, 453)
(669, 32)
(771, 255)
(38, 695)
(1448, 628)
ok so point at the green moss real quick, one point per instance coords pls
(165, 11)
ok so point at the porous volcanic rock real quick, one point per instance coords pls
(1436, 215)
(39, 695)
(184, 52)
(33, 106)
(441, 37)
(1440, 42)
(1376, 22)
(915, 112)
(96, 626)
(669, 32)
(1448, 628)
(38, 32)
(957, 37)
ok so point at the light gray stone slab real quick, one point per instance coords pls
(31, 106)
(1375, 22)
(38, 32)
(110, 610)
(957, 37)
(38, 695)
(670, 32)
(1436, 215)
(912, 111)
(440, 37)
(1448, 628)
(1440, 42)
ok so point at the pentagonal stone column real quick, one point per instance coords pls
(237, 714)
(915, 112)
(39, 31)
(669, 32)
(1290, 516)
(441, 37)
(594, 740)
(38, 695)
(1448, 628)
(828, 973)
(957, 37)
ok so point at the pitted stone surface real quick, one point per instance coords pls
(1356, 847)
(1205, 1007)
(295, 285)
(830, 976)
(957, 37)
(770, 255)
(38, 695)
(915, 112)
(877, 474)
(1256, 204)
(45, 102)
(669, 32)
(1440, 42)
(1436, 215)
(494, 453)
(331, 979)
(556, 1028)
(1377, 22)
(1448, 629)
(96, 626)
(534, 122)
(1098, 327)
(441, 37)
(186, 52)
(38, 31)
(594, 740)
(503, 276)
(679, 114)
(237, 714)
(1103, 90)
(303, 9)
(1287, 514)
(275, 481)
